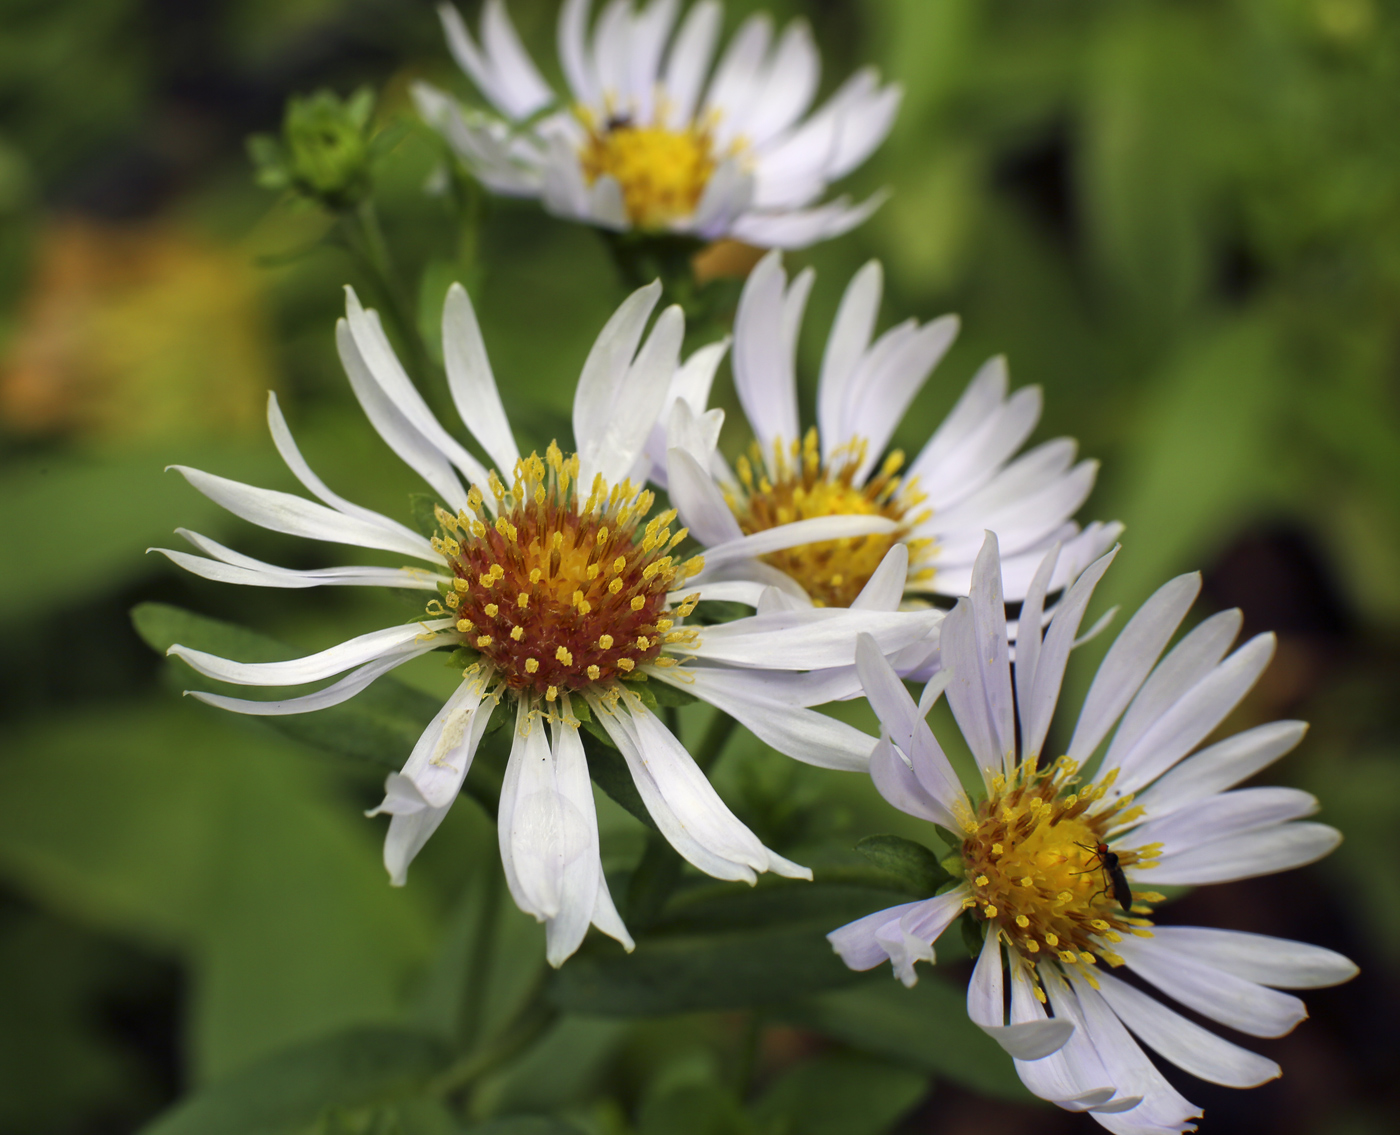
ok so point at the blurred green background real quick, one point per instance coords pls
(1181, 219)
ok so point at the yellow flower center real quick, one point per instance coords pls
(797, 485)
(663, 173)
(557, 597)
(1037, 863)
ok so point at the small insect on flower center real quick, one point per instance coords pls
(662, 173)
(1039, 868)
(793, 483)
(556, 597)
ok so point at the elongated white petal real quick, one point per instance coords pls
(764, 375)
(1027, 634)
(845, 345)
(1234, 1001)
(1258, 957)
(573, 54)
(987, 1007)
(813, 531)
(901, 719)
(1163, 1108)
(1126, 665)
(1054, 654)
(229, 566)
(858, 943)
(408, 832)
(885, 588)
(685, 806)
(1187, 663)
(282, 512)
(604, 377)
(973, 647)
(798, 732)
(444, 753)
(689, 60)
(698, 500)
(1225, 815)
(341, 691)
(1195, 715)
(1263, 852)
(313, 667)
(473, 385)
(638, 402)
(1183, 1042)
(1221, 766)
(1073, 1077)
(813, 638)
(393, 380)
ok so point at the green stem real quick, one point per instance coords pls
(746, 1062)
(365, 239)
(716, 737)
(531, 1024)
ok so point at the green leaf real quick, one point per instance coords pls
(694, 1109)
(380, 724)
(840, 1094)
(925, 1028)
(288, 1091)
(422, 510)
(610, 772)
(912, 863)
(665, 694)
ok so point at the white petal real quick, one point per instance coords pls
(638, 401)
(444, 752)
(764, 374)
(388, 372)
(341, 691)
(1187, 663)
(884, 590)
(857, 942)
(787, 90)
(813, 531)
(732, 87)
(473, 385)
(1028, 640)
(1129, 659)
(266, 575)
(986, 1006)
(1223, 816)
(1054, 654)
(973, 646)
(389, 421)
(1233, 1001)
(845, 345)
(901, 719)
(313, 667)
(1221, 766)
(689, 60)
(573, 55)
(810, 639)
(1262, 852)
(408, 832)
(605, 374)
(282, 512)
(1194, 716)
(1183, 1042)
(804, 734)
(798, 228)
(1258, 957)
(1073, 1077)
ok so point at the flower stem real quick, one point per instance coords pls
(529, 1025)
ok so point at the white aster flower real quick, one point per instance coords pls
(646, 143)
(1054, 865)
(963, 483)
(565, 592)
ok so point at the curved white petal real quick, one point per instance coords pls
(473, 386)
(764, 374)
(811, 638)
(1220, 766)
(1266, 851)
(986, 1005)
(1258, 957)
(792, 535)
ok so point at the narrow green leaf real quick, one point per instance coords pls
(911, 862)
(289, 1091)
(379, 724)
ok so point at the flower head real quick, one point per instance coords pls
(1057, 863)
(562, 591)
(646, 143)
(966, 479)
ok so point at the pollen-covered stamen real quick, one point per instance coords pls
(558, 594)
(1034, 870)
(793, 483)
(662, 172)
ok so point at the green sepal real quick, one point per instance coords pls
(911, 862)
(463, 657)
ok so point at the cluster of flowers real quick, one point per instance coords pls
(561, 583)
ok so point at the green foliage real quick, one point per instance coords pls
(839, 1094)
(324, 151)
(911, 862)
(287, 1092)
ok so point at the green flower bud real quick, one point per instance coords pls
(324, 152)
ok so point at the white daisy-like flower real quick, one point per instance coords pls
(1054, 864)
(964, 482)
(646, 143)
(565, 593)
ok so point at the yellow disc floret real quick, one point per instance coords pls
(1037, 866)
(556, 596)
(662, 172)
(793, 483)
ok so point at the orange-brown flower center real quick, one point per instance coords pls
(557, 597)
